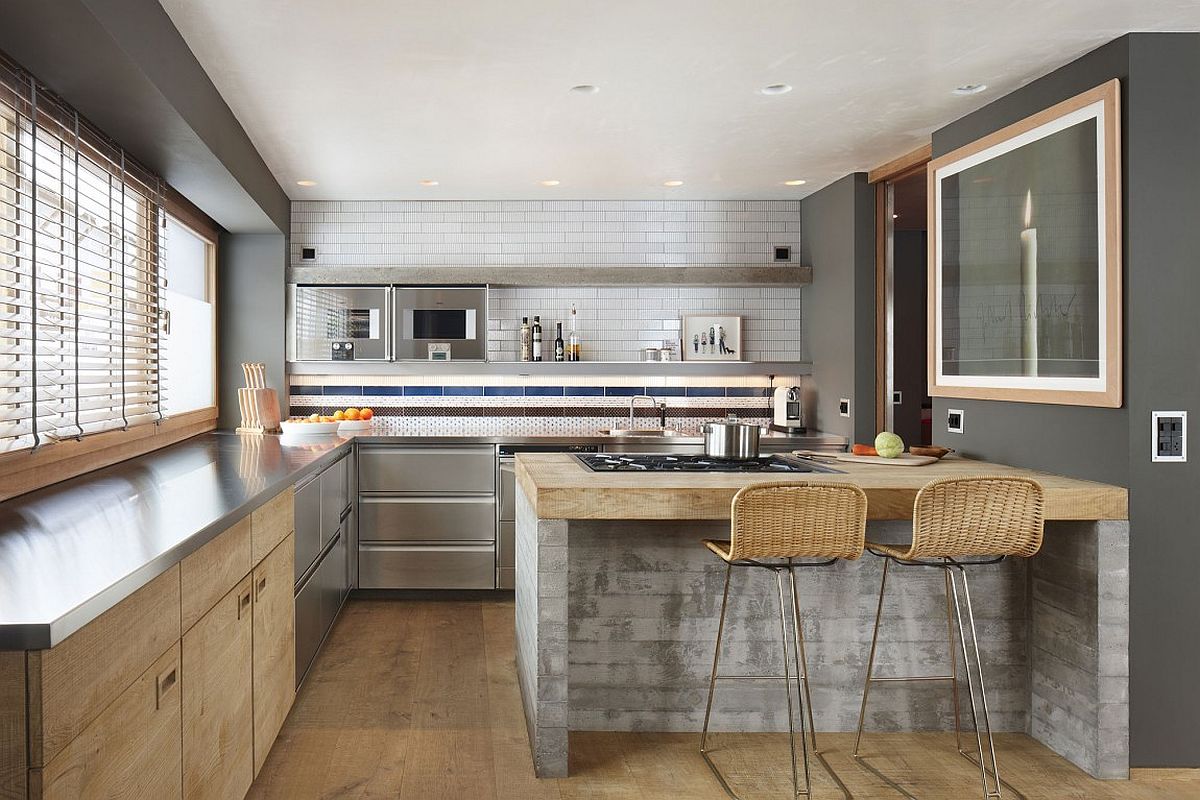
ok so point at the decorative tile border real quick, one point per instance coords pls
(529, 391)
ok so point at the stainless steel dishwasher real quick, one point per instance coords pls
(427, 516)
(323, 515)
(506, 508)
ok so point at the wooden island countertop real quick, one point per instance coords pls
(560, 487)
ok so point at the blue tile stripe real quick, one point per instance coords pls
(531, 391)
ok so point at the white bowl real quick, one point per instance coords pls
(355, 425)
(295, 428)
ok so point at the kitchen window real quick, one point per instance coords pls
(188, 361)
(83, 285)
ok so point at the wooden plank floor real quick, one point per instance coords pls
(419, 699)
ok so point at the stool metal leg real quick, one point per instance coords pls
(988, 792)
(712, 681)
(802, 659)
(862, 713)
(787, 683)
(953, 662)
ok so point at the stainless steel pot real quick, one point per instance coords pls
(730, 439)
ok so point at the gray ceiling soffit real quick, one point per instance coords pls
(125, 67)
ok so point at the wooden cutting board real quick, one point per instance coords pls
(902, 460)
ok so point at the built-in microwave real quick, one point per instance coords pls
(448, 323)
(340, 323)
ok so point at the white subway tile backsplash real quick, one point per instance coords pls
(537, 232)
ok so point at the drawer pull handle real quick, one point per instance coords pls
(262, 585)
(243, 603)
(163, 685)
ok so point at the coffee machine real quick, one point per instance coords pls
(789, 410)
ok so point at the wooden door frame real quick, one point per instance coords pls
(904, 166)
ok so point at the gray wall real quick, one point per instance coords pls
(250, 314)
(838, 240)
(1160, 75)
(909, 371)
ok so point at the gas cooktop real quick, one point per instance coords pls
(617, 462)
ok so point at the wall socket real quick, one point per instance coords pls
(897, 398)
(1169, 436)
(844, 406)
(954, 420)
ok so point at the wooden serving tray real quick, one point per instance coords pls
(902, 460)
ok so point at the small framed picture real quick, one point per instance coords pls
(712, 337)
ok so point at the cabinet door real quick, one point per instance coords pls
(274, 647)
(132, 749)
(218, 720)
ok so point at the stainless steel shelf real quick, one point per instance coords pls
(709, 275)
(551, 368)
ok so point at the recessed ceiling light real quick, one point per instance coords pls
(549, 183)
(795, 182)
(969, 88)
(306, 183)
(428, 182)
(585, 88)
(672, 183)
(776, 88)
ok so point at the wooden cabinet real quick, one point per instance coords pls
(132, 750)
(208, 574)
(218, 720)
(271, 523)
(274, 647)
(179, 690)
(70, 684)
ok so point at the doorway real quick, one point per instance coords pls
(903, 404)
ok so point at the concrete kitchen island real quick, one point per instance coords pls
(617, 605)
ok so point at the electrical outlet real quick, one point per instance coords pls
(844, 406)
(1169, 435)
(897, 398)
(954, 420)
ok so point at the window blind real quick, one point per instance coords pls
(80, 274)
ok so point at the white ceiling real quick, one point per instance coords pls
(371, 96)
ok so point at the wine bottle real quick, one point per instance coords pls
(526, 340)
(537, 338)
(559, 349)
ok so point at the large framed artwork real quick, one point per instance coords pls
(1025, 259)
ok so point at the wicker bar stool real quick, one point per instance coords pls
(985, 519)
(772, 525)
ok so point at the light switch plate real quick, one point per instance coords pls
(954, 420)
(844, 406)
(897, 398)
(1168, 436)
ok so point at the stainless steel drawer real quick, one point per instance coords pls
(308, 525)
(426, 567)
(470, 469)
(334, 499)
(506, 555)
(507, 489)
(427, 519)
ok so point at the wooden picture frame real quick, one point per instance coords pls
(997, 330)
(695, 330)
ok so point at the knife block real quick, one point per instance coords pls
(260, 410)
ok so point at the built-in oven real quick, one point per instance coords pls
(441, 324)
(339, 323)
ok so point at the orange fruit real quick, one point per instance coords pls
(314, 418)
(339, 415)
(352, 413)
(328, 419)
(366, 413)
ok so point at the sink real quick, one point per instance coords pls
(651, 432)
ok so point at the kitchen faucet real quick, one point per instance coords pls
(662, 409)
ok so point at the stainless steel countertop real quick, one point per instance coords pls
(71, 551)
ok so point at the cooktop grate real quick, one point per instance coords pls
(657, 462)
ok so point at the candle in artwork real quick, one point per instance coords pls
(1029, 285)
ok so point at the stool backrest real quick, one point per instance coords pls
(984, 516)
(796, 520)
